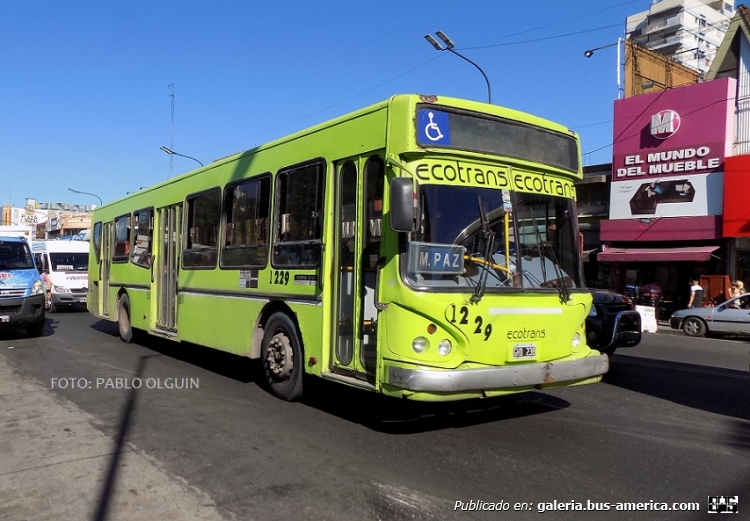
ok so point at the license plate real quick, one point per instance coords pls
(521, 352)
(4, 318)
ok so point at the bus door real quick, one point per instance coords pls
(106, 259)
(358, 214)
(164, 274)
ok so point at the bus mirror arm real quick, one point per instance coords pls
(153, 261)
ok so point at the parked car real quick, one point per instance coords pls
(730, 317)
(612, 323)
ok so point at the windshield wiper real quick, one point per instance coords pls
(562, 287)
(489, 237)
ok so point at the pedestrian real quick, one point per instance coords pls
(47, 284)
(696, 294)
(738, 288)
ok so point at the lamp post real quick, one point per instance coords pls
(618, 43)
(173, 153)
(449, 47)
(86, 193)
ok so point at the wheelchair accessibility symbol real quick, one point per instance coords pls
(434, 127)
(432, 130)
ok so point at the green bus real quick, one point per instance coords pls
(424, 247)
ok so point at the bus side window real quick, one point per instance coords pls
(298, 218)
(122, 239)
(375, 180)
(97, 239)
(246, 233)
(202, 241)
(141, 254)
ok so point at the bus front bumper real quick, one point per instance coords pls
(539, 374)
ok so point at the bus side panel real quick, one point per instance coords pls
(227, 322)
(140, 307)
(220, 321)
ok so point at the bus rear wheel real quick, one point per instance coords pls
(123, 319)
(281, 356)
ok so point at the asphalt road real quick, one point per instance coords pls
(669, 424)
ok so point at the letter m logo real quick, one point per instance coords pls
(664, 124)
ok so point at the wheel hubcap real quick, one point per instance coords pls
(279, 357)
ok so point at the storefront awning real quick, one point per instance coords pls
(691, 253)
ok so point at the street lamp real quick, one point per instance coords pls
(173, 153)
(86, 193)
(449, 47)
(590, 53)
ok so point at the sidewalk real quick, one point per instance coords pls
(56, 465)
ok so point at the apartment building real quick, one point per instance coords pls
(688, 31)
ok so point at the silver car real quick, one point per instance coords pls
(732, 317)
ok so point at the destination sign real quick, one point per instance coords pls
(436, 259)
(473, 174)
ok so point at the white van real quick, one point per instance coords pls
(67, 264)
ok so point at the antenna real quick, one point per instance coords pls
(171, 129)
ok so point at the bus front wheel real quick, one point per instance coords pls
(281, 356)
(123, 319)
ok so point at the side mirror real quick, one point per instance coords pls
(402, 208)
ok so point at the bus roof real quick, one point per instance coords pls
(400, 100)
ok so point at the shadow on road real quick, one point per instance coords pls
(374, 411)
(711, 389)
(239, 368)
(126, 418)
(394, 416)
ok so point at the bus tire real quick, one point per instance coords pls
(281, 357)
(123, 319)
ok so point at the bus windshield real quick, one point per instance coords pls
(470, 237)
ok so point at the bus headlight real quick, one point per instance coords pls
(576, 340)
(60, 289)
(420, 344)
(445, 347)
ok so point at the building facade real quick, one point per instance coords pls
(688, 31)
(50, 220)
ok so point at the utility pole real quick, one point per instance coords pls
(171, 130)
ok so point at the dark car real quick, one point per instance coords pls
(613, 322)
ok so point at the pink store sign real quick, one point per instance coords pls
(676, 132)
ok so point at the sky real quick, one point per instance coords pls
(90, 90)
